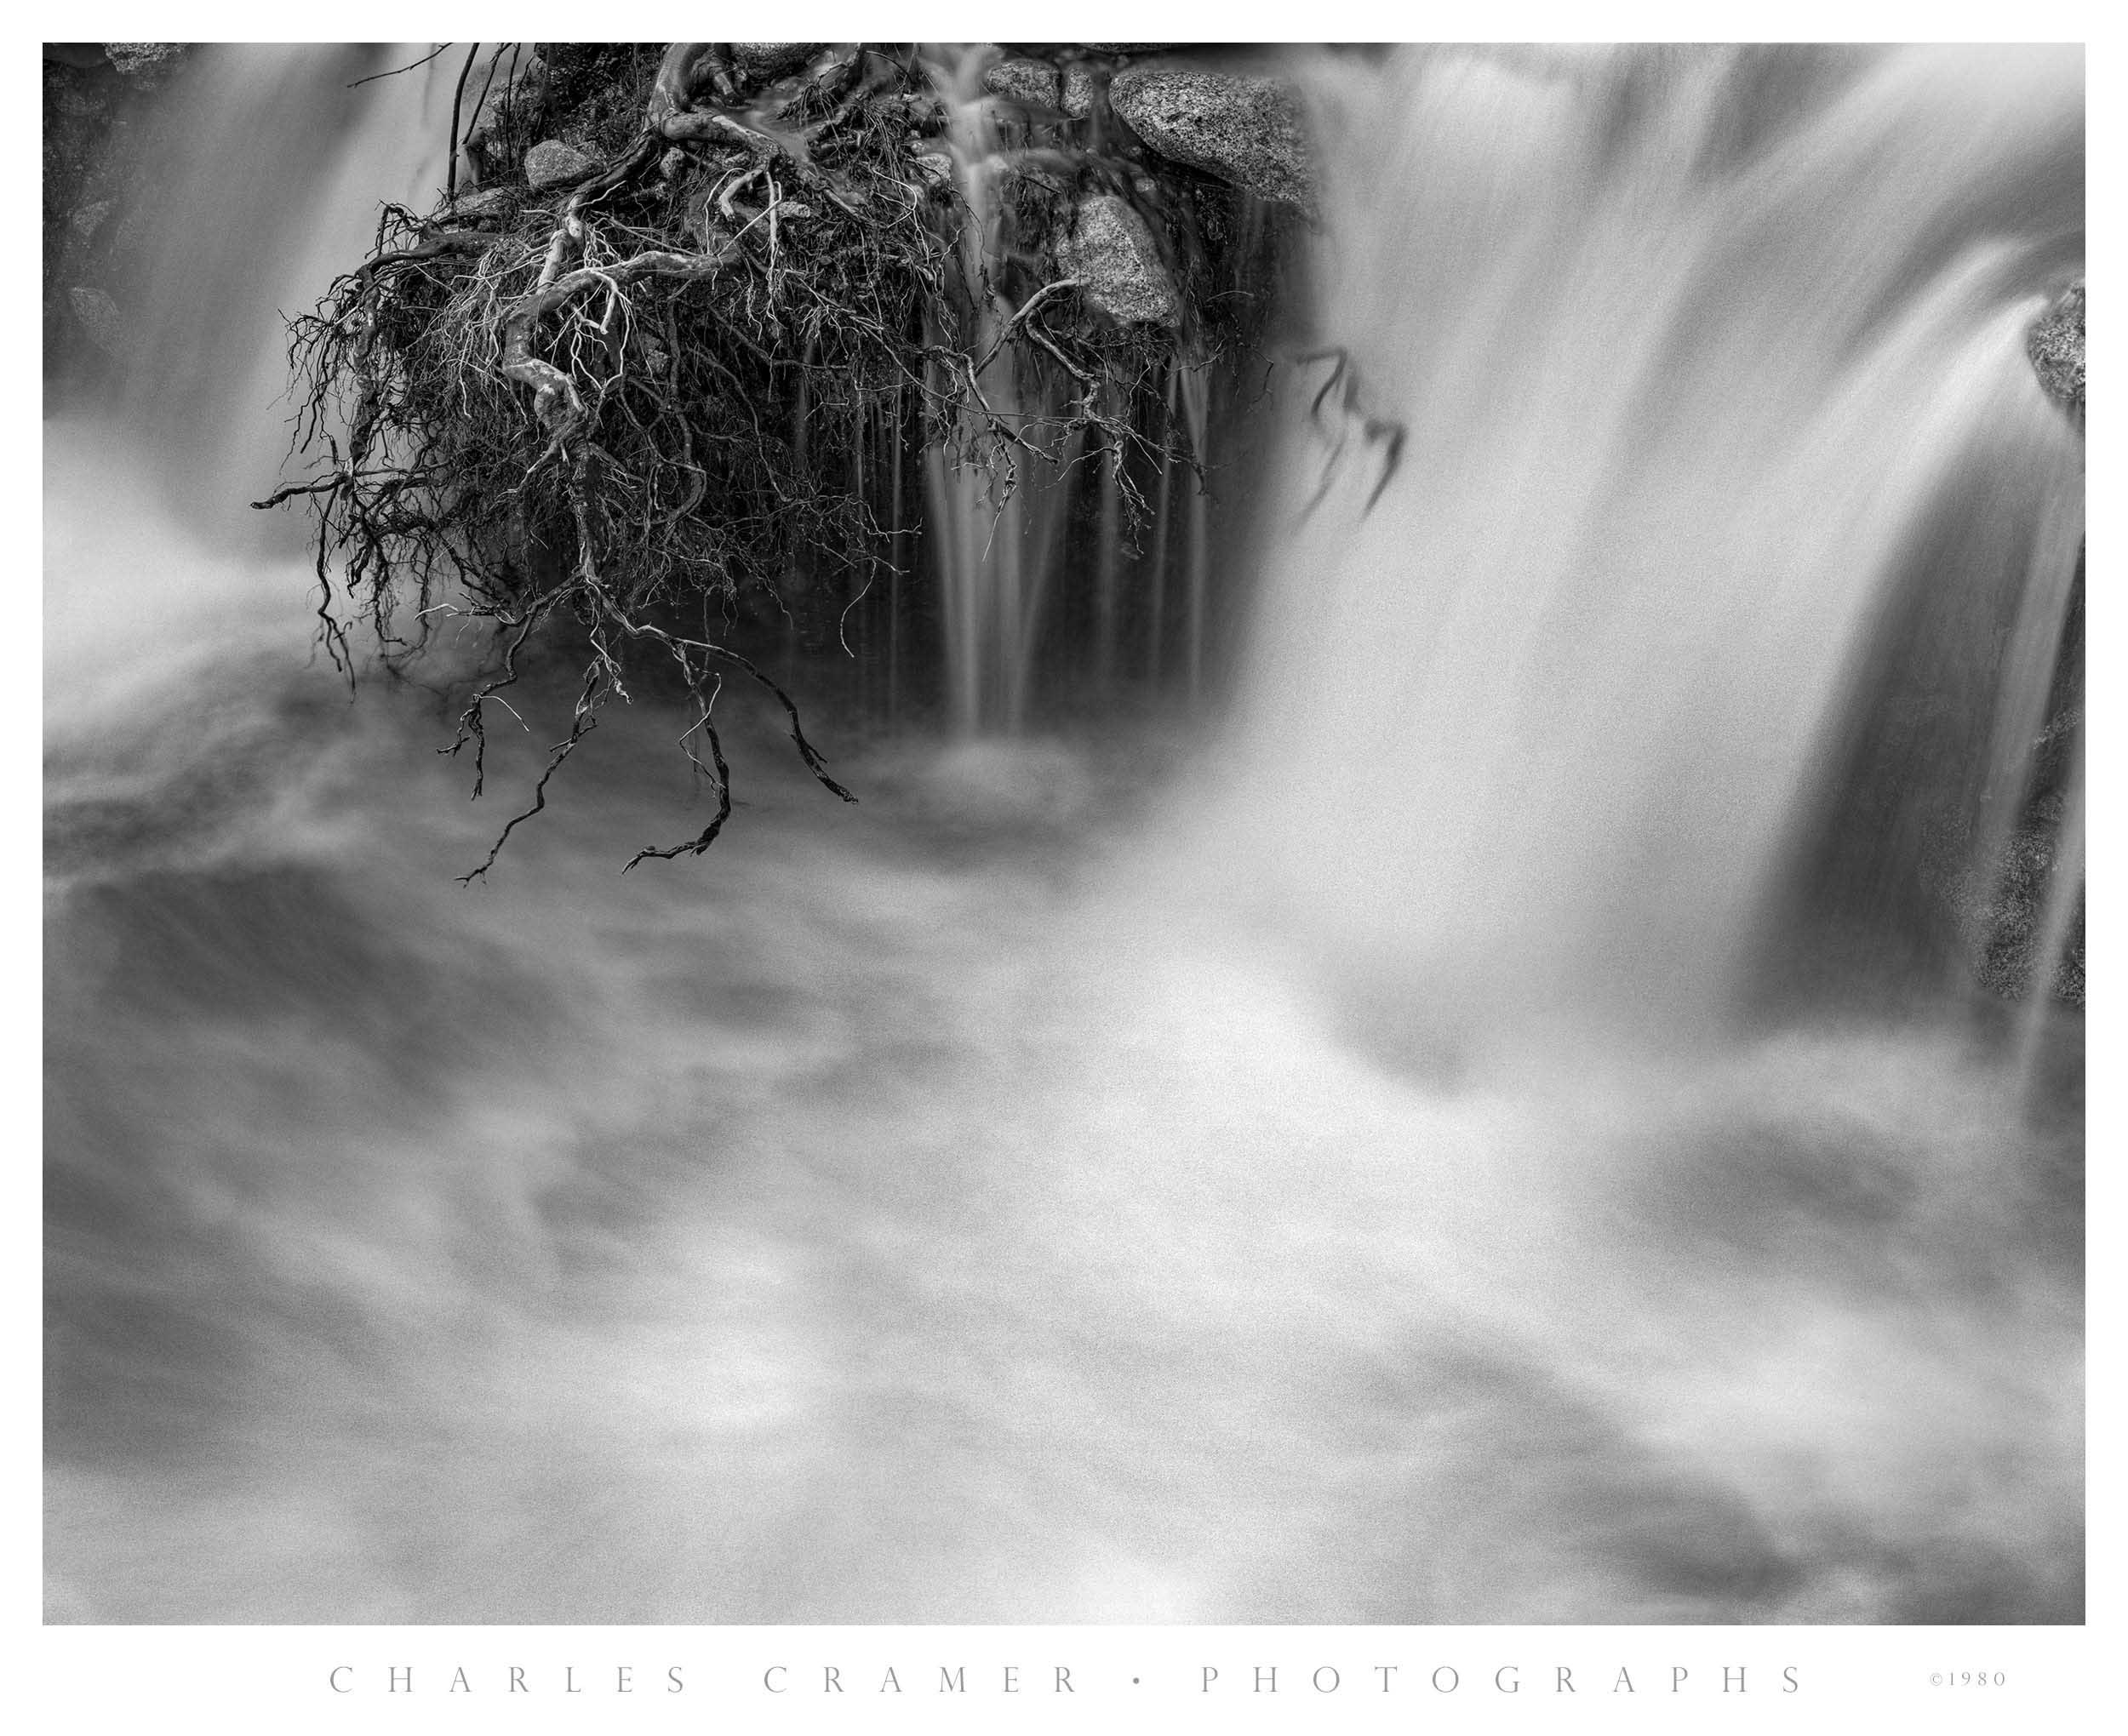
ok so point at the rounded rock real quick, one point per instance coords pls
(1082, 89)
(90, 218)
(1034, 82)
(763, 63)
(550, 163)
(1111, 250)
(1246, 131)
(2056, 345)
(146, 61)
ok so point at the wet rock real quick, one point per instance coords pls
(148, 62)
(2056, 345)
(934, 168)
(101, 320)
(490, 203)
(1024, 80)
(89, 219)
(551, 163)
(1110, 250)
(763, 63)
(1246, 131)
(2006, 918)
(1082, 89)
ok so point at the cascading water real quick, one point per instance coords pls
(1000, 542)
(250, 235)
(997, 541)
(1682, 387)
(1382, 1189)
(163, 576)
(1194, 392)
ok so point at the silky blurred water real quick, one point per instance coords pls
(1714, 417)
(939, 1210)
(1078, 1183)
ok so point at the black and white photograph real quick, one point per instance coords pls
(1112, 835)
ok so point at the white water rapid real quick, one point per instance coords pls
(1368, 1161)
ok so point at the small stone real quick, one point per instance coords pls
(1033, 82)
(1082, 89)
(100, 318)
(477, 207)
(147, 61)
(1110, 250)
(2056, 345)
(1246, 131)
(550, 163)
(763, 63)
(934, 168)
(90, 218)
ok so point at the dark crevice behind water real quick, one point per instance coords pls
(1348, 1165)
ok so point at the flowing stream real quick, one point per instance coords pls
(1369, 1155)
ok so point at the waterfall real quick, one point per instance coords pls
(278, 159)
(1423, 1148)
(1691, 352)
(284, 157)
(996, 538)
(1194, 391)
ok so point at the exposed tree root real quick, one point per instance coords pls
(648, 402)
(586, 720)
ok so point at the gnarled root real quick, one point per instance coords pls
(700, 372)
